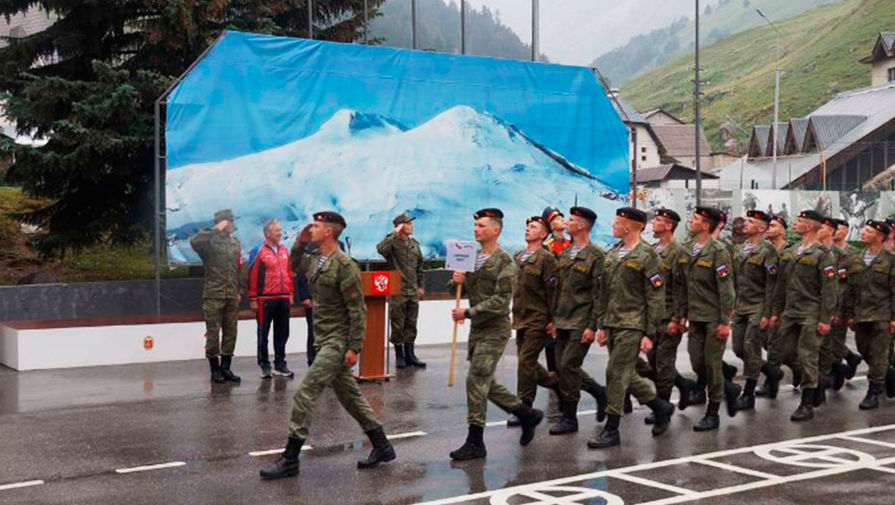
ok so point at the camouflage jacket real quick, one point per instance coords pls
(674, 260)
(340, 313)
(221, 257)
(406, 257)
(710, 294)
(756, 277)
(870, 295)
(535, 286)
(576, 305)
(844, 257)
(633, 290)
(806, 286)
(490, 290)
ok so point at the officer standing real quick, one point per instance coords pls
(804, 304)
(632, 305)
(575, 314)
(221, 257)
(339, 322)
(535, 286)
(490, 290)
(756, 276)
(710, 303)
(402, 252)
(870, 306)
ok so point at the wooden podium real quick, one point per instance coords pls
(378, 286)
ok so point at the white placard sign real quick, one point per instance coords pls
(460, 255)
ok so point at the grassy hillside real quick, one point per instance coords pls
(820, 54)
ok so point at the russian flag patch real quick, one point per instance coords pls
(657, 281)
(843, 273)
(829, 270)
(722, 271)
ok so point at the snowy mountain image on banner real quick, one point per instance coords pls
(371, 168)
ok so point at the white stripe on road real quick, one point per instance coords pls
(410, 434)
(15, 485)
(146, 468)
(268, 452)
(652, 483)
(735, 469)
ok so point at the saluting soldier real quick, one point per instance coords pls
(632, 305)
(535, 286)
(756, 276)
(869, 306)
(220, 253)
(490, 290)
(710, 303)
(804, 305)
(575, 315)
(402, 252)
(845, 254)
(339, 322)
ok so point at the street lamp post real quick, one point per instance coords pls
(696, 119)
(776, 100)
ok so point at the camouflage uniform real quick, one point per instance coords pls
(339, 323)
(631, 305)
(805, 295)
(833, 348)
(576, 309)
(490, 290)
(406, 257)
(673, 260)
(756, 277)
(535, 285)
(710, 301)
(220, 254)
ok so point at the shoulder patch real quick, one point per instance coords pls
(684, 260)
(656, 281)
(829, 271)
(636, 265)
(723, 271)
(581, 268)
(772, 269)
(843, 273)
(704, 263)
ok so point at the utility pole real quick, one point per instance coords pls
(776, 100)
(413, 30)
(310, 19)
(696, 112)
(535, 21)
(462, 26)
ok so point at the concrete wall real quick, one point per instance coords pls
(880, 73)
(647, 150)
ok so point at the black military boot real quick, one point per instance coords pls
(684, 386)
(729, 371)
(411, 358)
(225, 370)
(772, 384)
(796, 378)
(871, 400)
(746, 401)
(852, 360)
(629, 405)
(890, 382)
(731, 393)
(662, 411)
(215, 366)
(400, 361)
(840, 374)
(568, 423)
(599, 394)
(820, 392)
(474, 447)
(697, 394)
(529, 419)
(609, 436)
(806, 409)
(513, 421)
(710, 421)
(382, 449)
(287, 464)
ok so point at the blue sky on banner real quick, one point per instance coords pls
(254, 92)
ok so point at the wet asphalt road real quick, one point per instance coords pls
(72, 429)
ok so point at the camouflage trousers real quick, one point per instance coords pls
(403, 311)
(220, 314)
(530, 373)
(485, 352)
(800, 341)
(621, 374)
(747, 338)
(329, 370)
(775, 346)
(706, 352)
(664, 354)
(570, 352)
(832, 348)
(873, 339)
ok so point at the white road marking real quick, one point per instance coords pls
(15, 485)
(410, 434)
(268, 452)
(870, 441)
(651, 483)
(736, 469)
(146, 468)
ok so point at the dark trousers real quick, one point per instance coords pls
(312, 351)
(276, 313)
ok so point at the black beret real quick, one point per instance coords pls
(584, 212)
(722, 216)
(781, 220)
(890, 221)
(760, 215)
(488, 213)
(328, 216)
(550, 213)
(670, 214)
(632, 214)
(880, 226)
(710, 213)
(842, 222)
(812, 215)
(832, 222)
(538, 219)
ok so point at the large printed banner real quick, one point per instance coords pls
(274, 127)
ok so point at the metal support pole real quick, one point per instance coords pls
(156, 234)
(366, 21)
(413, 30)
(535, 35)
(776, 99)
(696, 112)
(310, 19)
(462, 26)
(634, 166)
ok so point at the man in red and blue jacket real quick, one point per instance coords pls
(270, 292)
